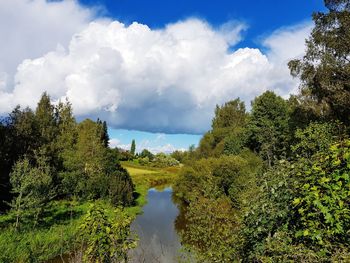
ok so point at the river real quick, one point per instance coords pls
(155, 227)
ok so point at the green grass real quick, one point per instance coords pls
(55, 235)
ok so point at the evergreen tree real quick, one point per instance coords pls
(133, 147)
(105, 136)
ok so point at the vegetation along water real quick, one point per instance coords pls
(271, 184)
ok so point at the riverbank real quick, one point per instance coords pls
(59, 228)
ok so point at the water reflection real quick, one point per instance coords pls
(159, 241)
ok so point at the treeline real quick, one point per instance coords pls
(46, 155)
(273, 184)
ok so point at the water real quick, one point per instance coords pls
(159, 241)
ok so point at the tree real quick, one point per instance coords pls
(66, 126)
(21, 186)
(103, 132)
(19, 136)
(133, 147)
(32, 187)
(231, 114)
(146, 153)
(325, 68)
(268, 127)
(46, 119)
(228, 129)
(105, 136)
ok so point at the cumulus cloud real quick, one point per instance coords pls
(31, 28)
(165, 80)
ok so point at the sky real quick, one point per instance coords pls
(154, 70)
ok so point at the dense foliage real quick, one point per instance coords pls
(107, 237)
(47, 157)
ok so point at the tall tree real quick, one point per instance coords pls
(325, 69)
(268, 126)
(46, 119)
(133, 147)
(19, 136)
(105, 136)
(67, 131)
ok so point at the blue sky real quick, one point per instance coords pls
(155, 142)
(262, 16)
(154, 70)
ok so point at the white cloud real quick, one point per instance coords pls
(154, 146)
(165, 80)
(283, 45)
(114, 143)
(166, 148)
(31, 28)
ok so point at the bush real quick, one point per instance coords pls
(163, 160)
(107, 238)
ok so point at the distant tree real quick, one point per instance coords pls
(227, 134)
(133, 147)
(105, 136)
(325, 69)
(179, 155)
(146, 153)
(191, 148)
(103, 132)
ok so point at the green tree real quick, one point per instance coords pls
(133, 148)
(46, 119)
(268, 127)
(66, 127)
(21, 187)
(103, 132)
(32, 187)
(146, 153)
(231, 114)
(91, 170)
(325, 68)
